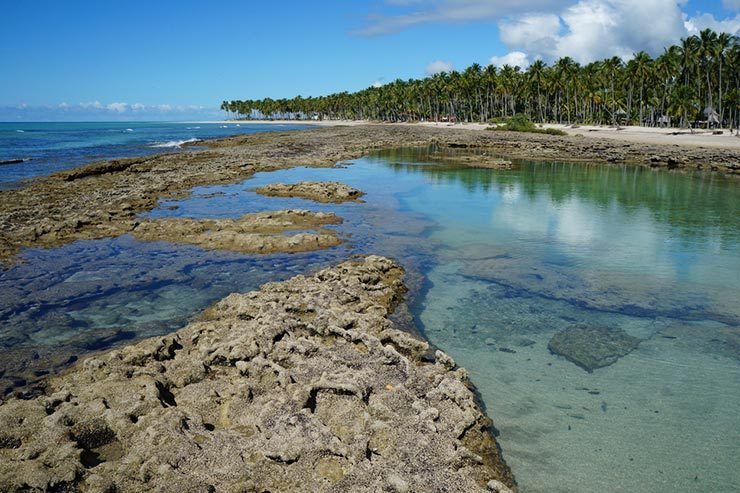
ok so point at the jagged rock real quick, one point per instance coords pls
(592, 347)
(319, 191)
(305, 385)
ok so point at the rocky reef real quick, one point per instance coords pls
(260, 232)
(473, 159)
(318, 191)
(592, 347)
(103, 199)
(305, 385)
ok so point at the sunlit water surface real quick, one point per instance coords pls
(510, 258)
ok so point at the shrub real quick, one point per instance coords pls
(521, 123)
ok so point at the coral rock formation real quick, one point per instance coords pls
(305, 385)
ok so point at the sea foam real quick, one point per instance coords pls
(174, 143)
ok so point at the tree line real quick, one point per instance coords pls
(695, 81)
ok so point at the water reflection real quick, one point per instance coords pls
(535, 251)
(510, 259)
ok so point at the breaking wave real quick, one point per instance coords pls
(174, 143)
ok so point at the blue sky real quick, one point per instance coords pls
(178, 59)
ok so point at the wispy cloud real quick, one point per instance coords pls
(91, 104)
(119, 107)
(117, 110)
(407, 13)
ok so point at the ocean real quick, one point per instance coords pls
(46, 147)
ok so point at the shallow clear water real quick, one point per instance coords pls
(61, 304)
(47, 147)
(530, 252)
(510, 258)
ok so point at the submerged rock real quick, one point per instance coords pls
(260, 232)
(319, 191)
(592, 347)
(485, 162)
(479, 159)
(305, 385)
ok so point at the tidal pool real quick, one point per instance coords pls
(533, 251)
(499, 262)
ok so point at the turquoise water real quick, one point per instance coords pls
(498, 261)
(534, 251)
(52, 146)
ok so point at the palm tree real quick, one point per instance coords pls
(667, 69)
(684, 103)
(706, 51)
(722, 44)
(536, 76)
(704, 68)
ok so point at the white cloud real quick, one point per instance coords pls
(119, 107)
(514, 58)
(694, 25)
(137, 107)
(438, 66)
(537, 31)
(377, 84)
(595, 29)
(63, 106)
(585, 30)
(91, 104)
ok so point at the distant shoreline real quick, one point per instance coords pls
(634, 134)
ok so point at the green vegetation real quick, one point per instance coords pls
(521, 123)
(696, 81)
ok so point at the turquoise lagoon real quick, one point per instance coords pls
(498, 262)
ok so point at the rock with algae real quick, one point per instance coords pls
(305, 385)
(318, 191)
(592, 347)
(260, 232)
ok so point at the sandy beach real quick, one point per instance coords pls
(652, 135)
(640, 135)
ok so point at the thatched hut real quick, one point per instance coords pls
(712, 117)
